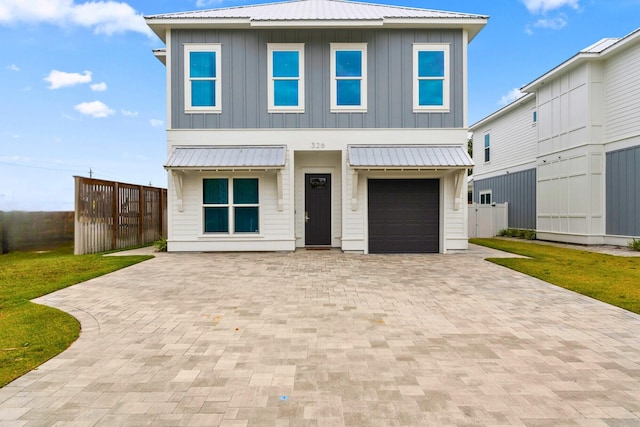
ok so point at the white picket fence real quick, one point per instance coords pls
(488, 220)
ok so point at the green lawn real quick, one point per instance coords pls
(612, 279)
(30, 333)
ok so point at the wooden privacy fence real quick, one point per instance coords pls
(113, 215)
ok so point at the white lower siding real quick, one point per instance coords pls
(308, 151)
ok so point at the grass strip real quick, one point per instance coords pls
(32, 333)
(611, 279)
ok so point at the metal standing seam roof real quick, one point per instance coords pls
(300, 10)
(408, 156)
(227, 157)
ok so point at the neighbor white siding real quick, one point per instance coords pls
(513, 141)
(623, 96)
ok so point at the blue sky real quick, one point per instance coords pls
(80, 89)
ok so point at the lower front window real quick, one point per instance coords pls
(231, 205)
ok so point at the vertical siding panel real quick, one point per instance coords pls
(623, 192)
(244, 74)
(519, 190)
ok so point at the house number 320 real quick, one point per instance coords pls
(317, 145)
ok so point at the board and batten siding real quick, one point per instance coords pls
(519, 190)
(623, 192)
(389, 68)
(622, 97)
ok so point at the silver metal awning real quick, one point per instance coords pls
(227, 158)
(408, 157)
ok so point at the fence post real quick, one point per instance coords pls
(141, 197)
(4, 238)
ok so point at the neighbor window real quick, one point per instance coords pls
(348, 77)
(202, 78)
(285, 64)
(487, 147)
(430, 77)
(485, 197)
(535, 117)
(231, 205)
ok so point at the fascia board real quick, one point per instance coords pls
(565, 66)
(501, 112)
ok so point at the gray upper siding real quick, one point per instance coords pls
(244, 79)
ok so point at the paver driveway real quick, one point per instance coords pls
(324, 338)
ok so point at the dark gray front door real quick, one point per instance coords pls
(317, 209)
(404, 215)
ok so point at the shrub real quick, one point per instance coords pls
(160, 245)
(634, 245)
(518, 233)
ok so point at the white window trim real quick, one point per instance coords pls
(484, 193)
(485, 147)
(335, 108)
(230, 205)
(278, 47)
(202, 47)
(446, 81)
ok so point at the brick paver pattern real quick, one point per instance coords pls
(317, 338)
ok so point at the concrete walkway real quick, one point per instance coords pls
(329, 339)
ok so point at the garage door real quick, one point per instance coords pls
(404, 215)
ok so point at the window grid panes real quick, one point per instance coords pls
(286, 77)
(431, 77)
(202, 70)
(485, 198)
(348, 77)
(231, 205)
(487, 147)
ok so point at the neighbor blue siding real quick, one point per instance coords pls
(390, 79)
(519, 190)
(623, 192)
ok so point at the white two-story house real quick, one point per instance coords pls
(317, 123)
(566, 156)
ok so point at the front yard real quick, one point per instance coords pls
(611, 279)
(32, 333)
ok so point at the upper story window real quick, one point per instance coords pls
(535, 117)
(487, 147)
(348, 77)
(202, 78)
(285, 63)
(430, 77)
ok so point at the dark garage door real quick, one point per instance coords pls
(404, 215)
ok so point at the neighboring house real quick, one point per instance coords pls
(317, 123)
(566, 157)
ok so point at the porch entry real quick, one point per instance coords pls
(317, 207)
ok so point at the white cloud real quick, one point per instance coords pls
(156, 123)
(99, 87)
(94, 109)
(511, 96)
(207, 3)
(129, 113)
(556, 23)
(59, 79)
(13, 67)
(104, 17)
(544, 6)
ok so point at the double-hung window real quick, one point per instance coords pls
(487, 147)
(285, 63)
(431, 77)
(348, 77)
(231, 205)
(485, 197)
(202, 78)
